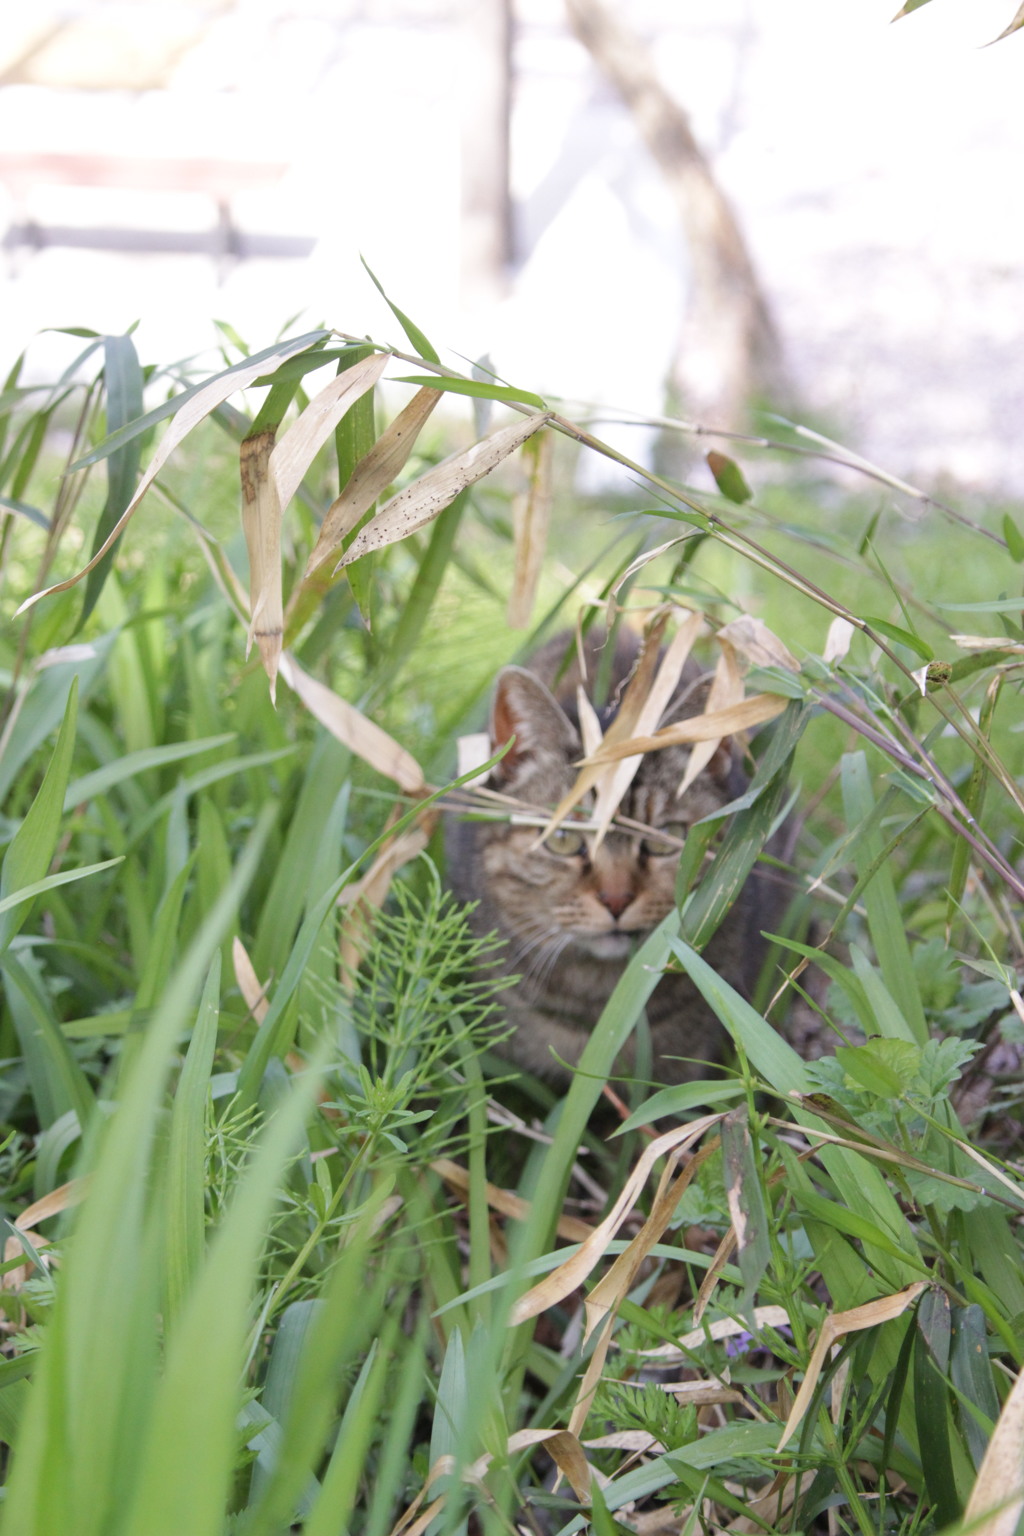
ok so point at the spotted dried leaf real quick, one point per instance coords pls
(418, 504)
(373, 474)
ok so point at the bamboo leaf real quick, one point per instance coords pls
(416, 337)
(186, 1225)
(354, 730)
(372, 475)
(420, 502)
(122, 378)
(242, 374)
(101, 780)
(261, 525)
(479, 389)
(298, 447)
(531, 517)
(188, 409)
(28, 856)
(997, 1500)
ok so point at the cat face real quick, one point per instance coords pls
(566, 893)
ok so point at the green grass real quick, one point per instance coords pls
(278, 1305)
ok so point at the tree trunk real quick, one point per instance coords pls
(729, 350)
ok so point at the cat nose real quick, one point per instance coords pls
(615, 901)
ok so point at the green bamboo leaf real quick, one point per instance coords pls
(294, 369)
(764, 1048)
(186, 1181)
(854, 1224)
(28, 857)
(49, 882)
(79, 1451)
(931, 1404)
(290, 1340)
(885, 921)
(57, 1081)
(479, 389)
(24, 510)
(974, 799)
(346, 1469)
(971, 1374)
(331, 1335)
(187, 1459)
(43, 705)
(1014, 538)
(102, 780)
(122, 378)
(735, 1440)
(416, 337)
(901, 636)
(998, 605)
(171, 407)
(290, 893)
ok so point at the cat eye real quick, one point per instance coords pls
(565, 842)
(661, 849)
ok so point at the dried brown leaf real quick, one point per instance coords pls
(634, 566)
(710, 727)
(753, 644)
(614, 783)
(254, 993)
(261, 524)
(837, 641)
(997, 1499)
(565, 1451)
(373, 474)
(60, 1199)
(726, 692)
(721, 1328)
(311, 428)
(354, 729)
(882, 1310)
(368, 895)
(593, 773)
(531, 518)
(506, 1202)
(419, 503)
(557, 1285)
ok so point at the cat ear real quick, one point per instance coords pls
(524, 708)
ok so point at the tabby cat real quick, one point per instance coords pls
(572, 915)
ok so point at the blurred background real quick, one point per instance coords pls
(662, 205)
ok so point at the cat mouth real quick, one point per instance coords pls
(607, 946)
